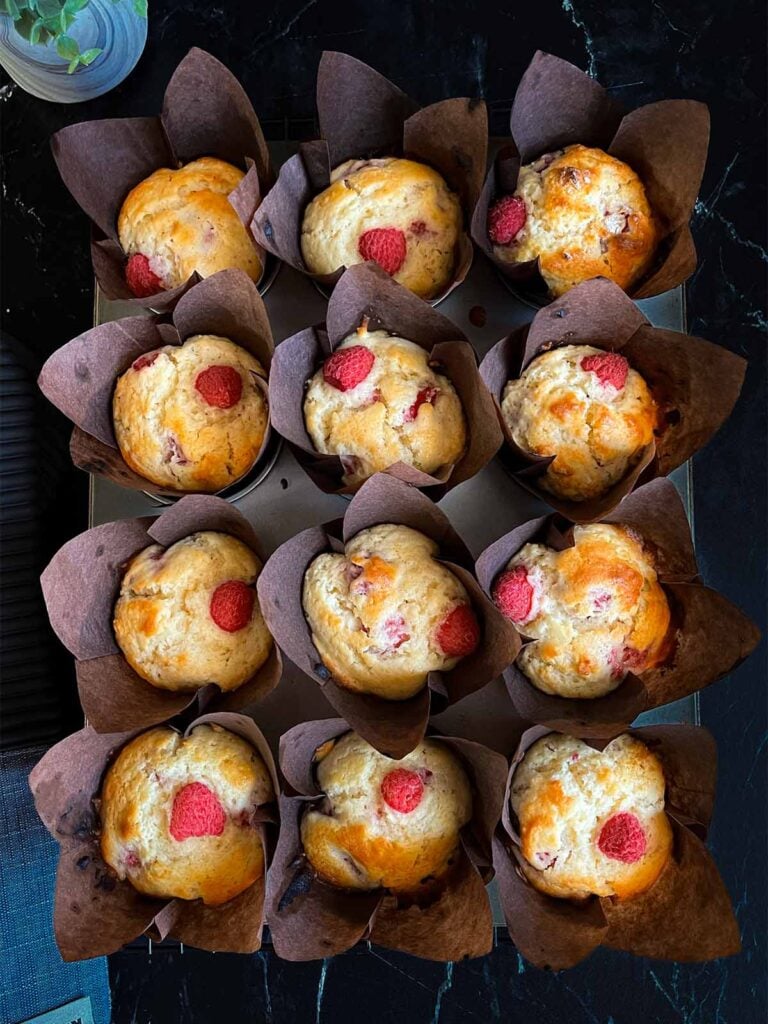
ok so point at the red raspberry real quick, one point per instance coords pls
(427, 396)
(196, 811)
(220, 386)
(143, 361)
(623, 660)
(402, 790)
(418, 228)
(232, 605)
(140, 278)
(513, 594)
(506, 219)
(348, 367)
(609, 367)
(384, 245)
(459, 633)
(622, 838)
(396, 632)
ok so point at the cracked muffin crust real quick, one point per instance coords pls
(176, 222)
(382, 406)
(192, 417)
(385, 823)
(582, 213)
(595, 611)
(397, 212)
(188, 615)
(591, 822)
(586, 407)
(385, 613)
(177, 814)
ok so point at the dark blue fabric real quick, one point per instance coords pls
(34, 978)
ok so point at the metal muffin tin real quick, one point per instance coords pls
(282, 500)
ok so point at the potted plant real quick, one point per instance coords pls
(71, 50)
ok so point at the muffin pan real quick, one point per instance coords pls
(284, 500)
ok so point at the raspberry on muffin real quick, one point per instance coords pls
(595, 611)
(178, 222)
(586, 407)
(377, 401)
(384, 823)
(386, 613)
(187, 615)
(582, 214)
(397, 212)
(177, 814)
(591, 822)
(192, 417)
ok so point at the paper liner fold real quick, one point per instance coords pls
(393, 727)
(710, 636)
(695, 383)
(309, 919)
(665, 143)
(362, 114)
(366, 291)
(205, 113)
(80, 377)
(94, 912)
(686, 915)
(91, 565)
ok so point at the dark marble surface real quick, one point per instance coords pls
(713, 51)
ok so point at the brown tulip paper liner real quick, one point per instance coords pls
(695, 383)
(95, 913)
(91, 566)
(394, 727)
(665, 143)
(686, 915)
(309, 918)
(205, 113)
(366, 292)
(709, 635)
(362, 115)
(80, 377)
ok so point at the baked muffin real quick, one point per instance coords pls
(177, 814)
(582, 214)
(385, 614)
(589, 409)
(176, 222)
(591, 822)
(377, 401)
(385, 824)
(191, 417)
(397, 212)
(596, 611)
(188, 615)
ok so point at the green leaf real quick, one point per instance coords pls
(48, 8)
(34, 35)
(89, 56)
(67, 47)
(65, 20)
(73, 6)
(140, 8)
(73, 65)
(12, 9)
(24, 25)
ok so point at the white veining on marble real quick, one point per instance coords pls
(445, 986)
(589, 44)
(320, 991)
